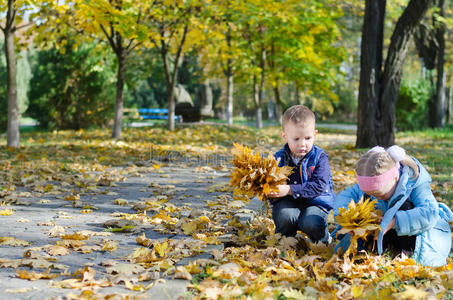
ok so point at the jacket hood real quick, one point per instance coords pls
(405, 185)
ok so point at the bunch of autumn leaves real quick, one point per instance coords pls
(254, 175)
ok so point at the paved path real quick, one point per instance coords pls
(36, 215)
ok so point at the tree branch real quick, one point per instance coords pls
(109, 38)
(178, 53)
(23, 26)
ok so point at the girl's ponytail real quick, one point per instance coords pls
(399, 156)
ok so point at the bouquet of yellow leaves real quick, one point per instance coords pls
(360, 220)
(256, 175)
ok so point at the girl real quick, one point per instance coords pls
(412, 218)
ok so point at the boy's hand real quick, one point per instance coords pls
(283, 190)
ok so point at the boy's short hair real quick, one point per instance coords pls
(298, 114)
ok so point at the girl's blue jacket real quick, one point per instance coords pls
(428, 220)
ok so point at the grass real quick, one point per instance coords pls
(433, 148)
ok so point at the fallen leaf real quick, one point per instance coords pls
(120, 201)
(19, 290)
(11, 241)
(22, 220)
(57, 250)
(56, 231)
(125, 269)
(182, 273)
(412, 292)
(6, 212)
(23, 274)
(75, 236)
(110, 246)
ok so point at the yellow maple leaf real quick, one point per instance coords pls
(189, 227)
(162, 249)
(360, 220)
(254, 175)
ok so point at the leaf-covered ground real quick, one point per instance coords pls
(151, 215)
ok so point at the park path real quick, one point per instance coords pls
(186, 183)
(187, 186)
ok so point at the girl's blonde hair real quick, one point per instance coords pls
(377, 161)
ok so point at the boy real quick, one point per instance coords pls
(304, 203)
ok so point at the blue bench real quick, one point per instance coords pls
(154, 114)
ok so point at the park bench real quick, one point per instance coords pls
(154, 114)
(133, 114)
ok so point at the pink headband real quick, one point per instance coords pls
(375, 183)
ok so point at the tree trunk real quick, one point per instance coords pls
(259, 115)
(378, 91)
(121, 55)
(450, 103)
(437, 103)
(13, 135)
(228, 71)
(256, 99)
(297, 95)
(278, 104)
(370, 66)
(206, 99)
(229, 98)
(170, 83)
(170, 78)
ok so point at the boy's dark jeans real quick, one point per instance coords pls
(291, 215)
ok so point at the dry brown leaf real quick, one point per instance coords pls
(412, 292)
(125, 269)
(110, 246)
(57, 250)
(11, 241)
(19, 290)
(143, 240)
(182, 273)
(75, 236)
(23, 274)
(86, 274)
(9, 263)
(56, 231)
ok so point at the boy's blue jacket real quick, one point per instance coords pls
(428, 220)
(311, 179)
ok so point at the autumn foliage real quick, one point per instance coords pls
(360, 220)
(256, 175)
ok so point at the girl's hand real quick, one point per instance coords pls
(283, 190)
(391, 225)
